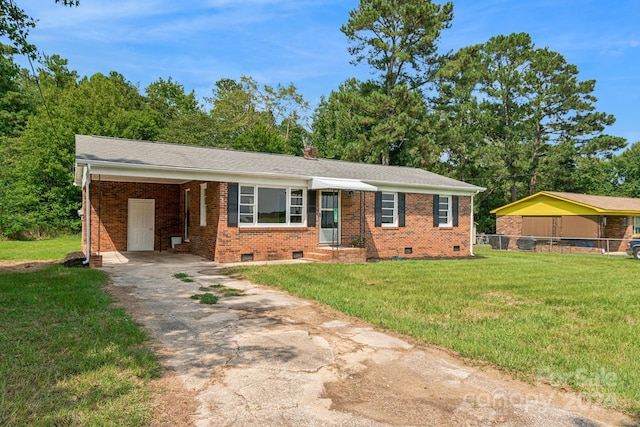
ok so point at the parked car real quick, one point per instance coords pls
(634, 249)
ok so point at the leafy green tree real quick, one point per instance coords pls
(240, 107)
(16, 106)
(169, 98)
(337, 127)
(626, 172)
(44, 154)
(190, 128)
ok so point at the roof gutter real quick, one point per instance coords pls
(472, 225)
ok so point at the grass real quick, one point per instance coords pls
(223, 291)
(38, 250)
(569, 320)
(67, 357)
(206, 298)
(184, 277)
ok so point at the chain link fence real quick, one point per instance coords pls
(554, 244)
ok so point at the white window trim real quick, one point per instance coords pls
(395, 210)
(203, 205)
(288, 223)
(449, 222)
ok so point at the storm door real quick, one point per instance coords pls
(330, 218)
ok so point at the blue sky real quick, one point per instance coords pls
(198, 42)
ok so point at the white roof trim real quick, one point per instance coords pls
(321, 183)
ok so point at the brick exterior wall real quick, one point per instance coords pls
(222, 243)
(618, 228)
(202, 238)
(509, 225)
(419, 234)
(109, 213)
(265, 244)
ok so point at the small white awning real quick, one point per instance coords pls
(318, 183)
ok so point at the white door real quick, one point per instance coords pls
(140, 225)
(330, 218)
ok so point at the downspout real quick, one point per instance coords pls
(86, 180)
(471, 235)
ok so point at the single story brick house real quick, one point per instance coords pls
(230, 206)
(572, 217)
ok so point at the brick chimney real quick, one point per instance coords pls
(310, 152)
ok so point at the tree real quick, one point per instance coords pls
(15, 24)
(521, 111)
(361, 123)
(16, 107)
(43, 156)
(240, 107)
(169, 98)
(398, 40)
(15, 103)
(626, 172)
(337, 127)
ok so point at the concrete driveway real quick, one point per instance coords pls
(269, 359)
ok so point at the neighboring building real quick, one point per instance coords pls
(230, 206)
(571, 217)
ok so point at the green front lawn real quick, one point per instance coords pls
(569, 320)
(50, 249)
(67, 357)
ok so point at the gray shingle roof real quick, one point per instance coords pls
(163, 155)
(601, 202)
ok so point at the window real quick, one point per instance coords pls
(296, 209)
(636, 225)
(389, 210)
(267, 206)
(444, 211)
(203, 205)
(247, 204)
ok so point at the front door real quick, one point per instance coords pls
(330, 218)
(141, 224)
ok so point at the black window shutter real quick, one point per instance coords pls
(311, 208)
(378, 209)
(436, 210)
(454, 210)
(401, 209)
(232, 204)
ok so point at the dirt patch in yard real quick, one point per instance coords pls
(74, 259)
(24, 266)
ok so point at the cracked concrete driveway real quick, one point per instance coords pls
(270, 359)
